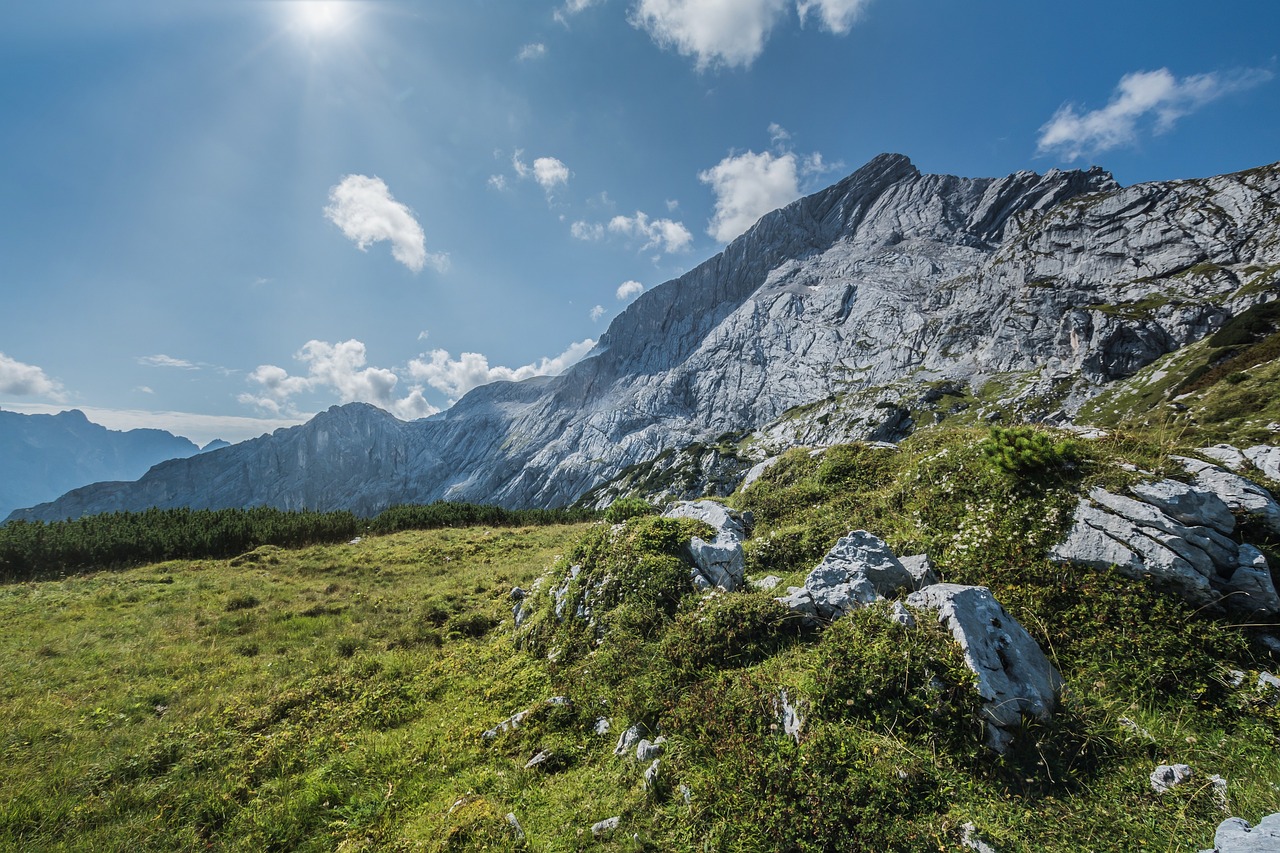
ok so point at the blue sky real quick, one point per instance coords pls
(220, 218)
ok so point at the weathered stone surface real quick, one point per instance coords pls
(1266, 459)
(629, 739)
(1235, 835)
(1228, 455)
(858, 570)
(1251, 588)
(1187, 504)
(789, 715)
(1238, 493)
(756, 471)
(1014, 676)
(649, 749)
(651, 775)
(719, 562)
(608, 826)
(920, 567)
(898, 277)
(766, 583)
(1166, 777)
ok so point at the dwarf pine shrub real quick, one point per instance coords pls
(1023, 449)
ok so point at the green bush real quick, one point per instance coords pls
(1020, 449)
(624, 508)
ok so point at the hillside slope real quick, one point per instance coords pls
(1045, 287)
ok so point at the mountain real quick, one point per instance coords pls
(42, 456)
(830, 319)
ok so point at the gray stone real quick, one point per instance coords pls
(648, 749)
(512, 722)
(1231, 457)
(720, 562)
(516, 829)
(970, 839)
(857, 571)
(1235, 835)
(1269, 686)
(901, 615)
(757, 471)
(541, 758)
(1238, 493)
(651, 778)
(789, 715)
(920, 567)
(1266, 459)
(608, 826)
(766, 583)
(1166, 777)
(602, 725)
(1014, 676)
(1187, 504)
(1251, 588)
(628, 740)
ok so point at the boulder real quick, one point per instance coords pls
(628, 740)
(1238, 493)
(1266, 459)
(1235, 835)
(920, 567)
(1251, 588)
(1187, 504)
(857, 571)
(1014, 676)
(720, 562)
(648, 749)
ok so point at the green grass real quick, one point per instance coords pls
(335, 697)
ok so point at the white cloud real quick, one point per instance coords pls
(144, 389)
(586, 230)
(712, 32)
(672, 205)
(747, 186)
(367, 213)
(663, 234)
(27, 380)
(1157, 96)
(573, 7)
(596, 313)
(456, 377)
(550, 173)
(537, 50)
(628, 289)
(498, 182)
(778, 135)
(162, 360)
(339, 368)
(837, 16)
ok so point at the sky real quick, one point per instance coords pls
(220, 218)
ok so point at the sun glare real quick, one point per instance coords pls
(320, 17)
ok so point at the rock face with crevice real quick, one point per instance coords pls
(1177, 535)
(1053, 283)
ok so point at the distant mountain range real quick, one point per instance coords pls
(829, 320)
(43, 456)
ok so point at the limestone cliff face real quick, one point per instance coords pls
(1054, 283)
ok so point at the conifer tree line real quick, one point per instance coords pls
(36, 550)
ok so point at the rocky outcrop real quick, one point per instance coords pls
(858, 570)
(852, 298)
(1014, 676)
(720, 562)
(1240, 494)
(1177, 535)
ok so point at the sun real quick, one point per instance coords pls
(320, 17)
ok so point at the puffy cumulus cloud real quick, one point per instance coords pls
(1144, 97)
(455, 377)
(537, 50)
(586, 230)
(340, 369)
(27, 380)
(747, 186)
(596, 313)
(836, 16)
(712, 32)
(367, 213)
(550, 173)
(666, 235)
(629, 289)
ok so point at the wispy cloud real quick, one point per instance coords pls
(455, 377)
(588, 231)
(1143, 100)
(27, 380)
(548, 172)
(337, 368)
(629, 289)
(161, 360)
(836, 16)
(596, 313)
(574, 7)
(529, 52)
(365, 210)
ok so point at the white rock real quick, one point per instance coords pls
(1235, 491)
(1266, 459)
(1187, 504)
(648, 749)
(857, 571)
(920, 567)
(1235, 835)
(1230, 456)
(605, 827)
(651, 775)
(628, 740)
(766, 583)
(720, 561)
(1014, 676)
